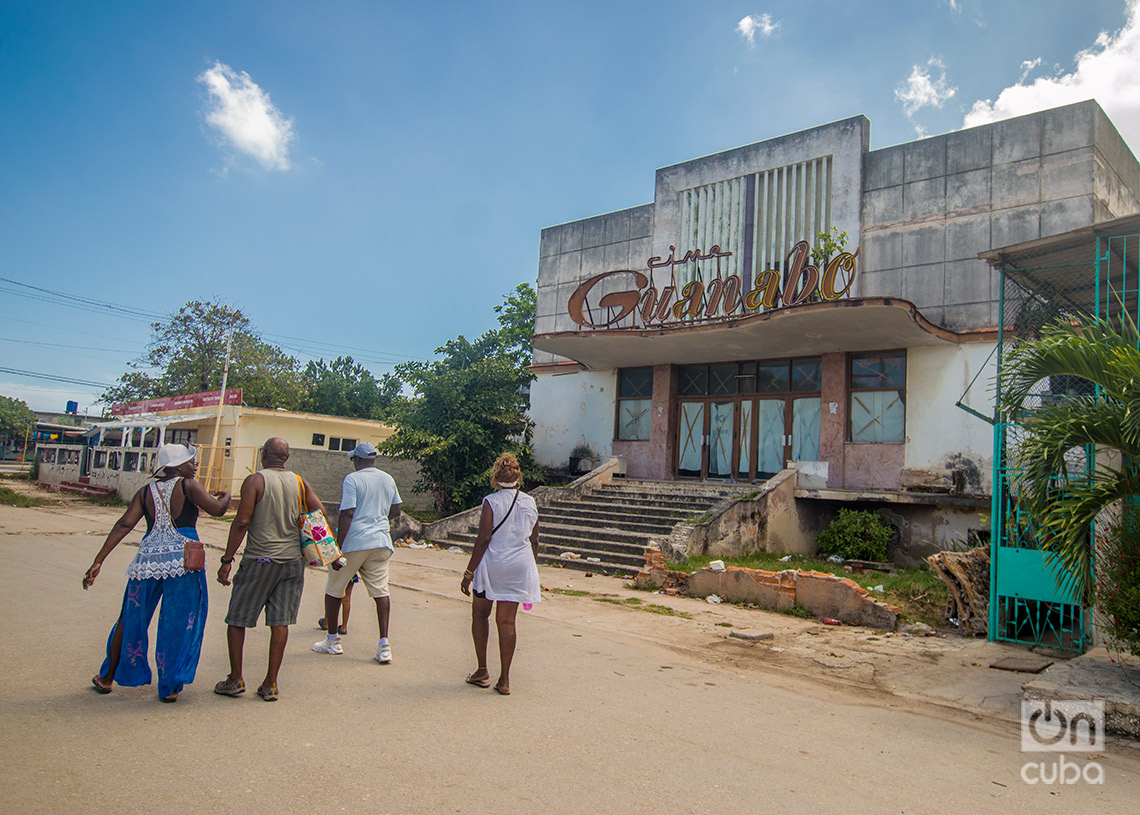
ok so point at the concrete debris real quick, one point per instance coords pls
(414, 545)
(785, 558)
(717, 566)
(713, 599)
(918, 630)
(455, 550)
(878, 588)
(593, 560)
(751, 634)
(570, 556)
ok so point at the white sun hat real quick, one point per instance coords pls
(171, 455)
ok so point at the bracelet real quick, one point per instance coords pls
(468, 575)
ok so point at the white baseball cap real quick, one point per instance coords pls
(364, 450)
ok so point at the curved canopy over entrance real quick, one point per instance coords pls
(862, 324)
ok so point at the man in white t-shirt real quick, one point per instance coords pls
(369, 501)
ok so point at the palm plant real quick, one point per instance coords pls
(1063, 503)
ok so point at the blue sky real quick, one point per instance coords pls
(374, 175)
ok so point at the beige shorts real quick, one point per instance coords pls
(370, 564)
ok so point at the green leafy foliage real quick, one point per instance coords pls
(344, 387)
(468, 407)
(15, 417)
(1063, 501)
(1117, 593)
(827, 246)
(856, 535)
(186, 354)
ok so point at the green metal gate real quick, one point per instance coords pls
(1071, 278)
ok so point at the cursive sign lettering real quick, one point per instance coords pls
(718, 298)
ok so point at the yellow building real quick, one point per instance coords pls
(120, 452)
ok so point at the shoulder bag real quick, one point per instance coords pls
(193, 552)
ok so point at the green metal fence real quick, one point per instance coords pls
(1094, 277)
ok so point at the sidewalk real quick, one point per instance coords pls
(1098, 676)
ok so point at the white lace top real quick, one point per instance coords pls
(160, 553)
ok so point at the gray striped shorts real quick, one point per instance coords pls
(263, 584)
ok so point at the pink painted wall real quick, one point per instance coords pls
(833, 426)
(654, 458)
(872, 466)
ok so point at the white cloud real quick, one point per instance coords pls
(1107, 72)
(754, 24)
(921, 89)
(242, 112)
(1027, 67)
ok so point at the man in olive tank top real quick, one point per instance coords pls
(272, 571)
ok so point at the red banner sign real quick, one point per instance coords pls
(190, 400)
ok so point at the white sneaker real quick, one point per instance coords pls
(327, 646)
(384, 654)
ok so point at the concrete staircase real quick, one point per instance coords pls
(609, 527)
(84, 487)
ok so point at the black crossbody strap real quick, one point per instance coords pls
(500, 523)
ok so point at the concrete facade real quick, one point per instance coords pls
(930, 206)
(918, 214)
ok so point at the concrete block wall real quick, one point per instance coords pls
(930, 206)
(573, 252)
(325, 471)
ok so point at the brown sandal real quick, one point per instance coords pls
(99, 686)
(482, 682)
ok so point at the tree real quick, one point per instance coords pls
(468, 407)
(188, 352)
(346, 388)
(516, 325)
(1061, 497)
(15, 417)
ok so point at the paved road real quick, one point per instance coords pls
(613, 710)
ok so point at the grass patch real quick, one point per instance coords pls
(654, 608)
(424, 516)
(112, 500)
(16, 476)
(697, 520)
(726, 625)
(796, 611)
(619, 601)
(18, 499)
(570, 592)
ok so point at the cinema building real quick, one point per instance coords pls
(713, 335)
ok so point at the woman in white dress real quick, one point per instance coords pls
(503, 569)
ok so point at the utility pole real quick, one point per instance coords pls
(221, 404)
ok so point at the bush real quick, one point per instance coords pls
(1117, 592)
(856, 535)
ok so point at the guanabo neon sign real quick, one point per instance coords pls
(718, 298)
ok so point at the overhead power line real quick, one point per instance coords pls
(53, 377)
(306, 347)
(126, 311)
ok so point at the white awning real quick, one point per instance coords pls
(862, 324)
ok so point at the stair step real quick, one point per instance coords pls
(565, 542)
(549, 556)
(89, 491)
(646, 524)
(681, 504)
